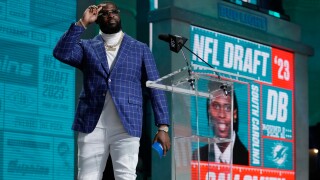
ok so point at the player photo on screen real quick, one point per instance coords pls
(223, 119)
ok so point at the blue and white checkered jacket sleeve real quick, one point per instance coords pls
(158, 98)
(68, 49)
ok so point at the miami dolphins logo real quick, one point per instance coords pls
(279, 154)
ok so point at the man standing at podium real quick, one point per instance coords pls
(115, 67)
(219, 108)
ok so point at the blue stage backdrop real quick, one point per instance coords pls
(37, 96)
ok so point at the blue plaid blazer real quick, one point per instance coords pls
(133, 65)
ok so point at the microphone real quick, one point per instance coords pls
(175, 42)
(226, 89)
(164, 37)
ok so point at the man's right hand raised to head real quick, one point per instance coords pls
(90, 15)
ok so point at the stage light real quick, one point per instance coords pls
(275, 14)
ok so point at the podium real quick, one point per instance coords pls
(202, 113)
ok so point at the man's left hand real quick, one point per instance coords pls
(164, 139)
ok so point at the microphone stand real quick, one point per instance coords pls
(180, 41)
(191, 80)
(201, 59)
(224, 87)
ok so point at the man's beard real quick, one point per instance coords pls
(105, 28)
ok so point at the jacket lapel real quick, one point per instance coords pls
(99, 49)
(122, 53)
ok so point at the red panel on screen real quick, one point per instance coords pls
(216, 171)
(282, 68)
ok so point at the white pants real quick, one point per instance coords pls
(108, 137)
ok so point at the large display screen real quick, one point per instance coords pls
(263, 79)
(36, 91)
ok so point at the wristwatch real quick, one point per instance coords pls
(164, 128)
